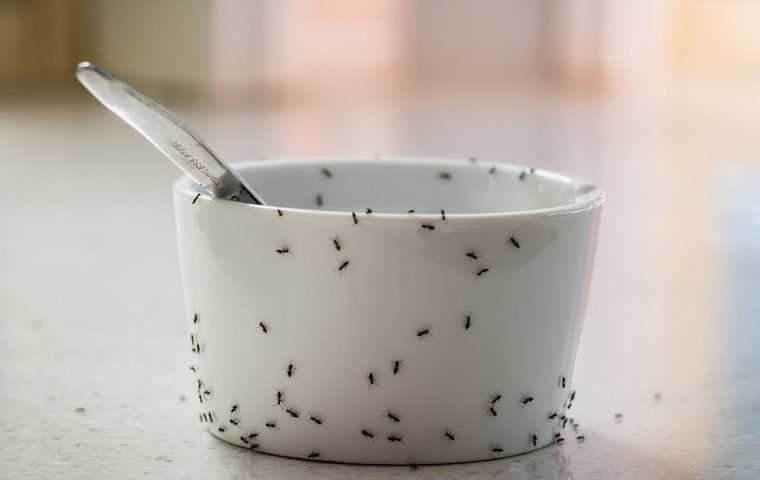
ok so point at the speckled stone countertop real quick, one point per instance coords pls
(94, 377)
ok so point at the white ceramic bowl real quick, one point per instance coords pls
(316, 299)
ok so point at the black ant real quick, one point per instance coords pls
(493, 411)
(371, 378)
(210, 417)
(244, 440)
(356, 220)
(423, 332)
(196, 198)
(253, 435)
(200, 398)
(559, 440)
(618, 417)
(427, 226)
(393, 417)
(271, 424)
(283, 250)
(207, 392)
(449, 435)
(195, 318)
(411, 211)
(481, 272)
(496, 398)
(291, 369)
(234, 421)
(396, 366)
(572, 395)
(202, 417)
(193, 369)
(444, 176)
(395, 438)
(200, 384)
(368, 211)
(492, 170)
(293, 413)
(367, 433)
(522, 176)
(336, 243)
(221, 429)
(234, 408)
(263, 327)
(472, 255)
(279, 212)
(552, 416)
(580, 438)
(515, 244)
(315, 419)
(343, 265)
(526, 400)
(534, 439)
(320, 201)
(467, 321)
(564, 423)
(563, 381)
(327, 173)
(192, 339)
(279, 397)
(497, 450)
(313, 455)
(569, 405)
(443, 215)
(254, 446)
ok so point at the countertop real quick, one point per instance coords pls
(94, 377)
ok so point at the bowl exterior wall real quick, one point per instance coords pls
(355, 321)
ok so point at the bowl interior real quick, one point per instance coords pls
(397, 185)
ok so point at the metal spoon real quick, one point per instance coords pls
(175, 140)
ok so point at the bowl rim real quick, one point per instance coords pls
(588, 196)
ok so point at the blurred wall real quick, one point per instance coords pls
(484, 42)
(717, 38)
(246, 50)
(162, 41)
(306, 45)
(232, 47)
(38, 39)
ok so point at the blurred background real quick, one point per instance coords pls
(290, 51)
(656, 101)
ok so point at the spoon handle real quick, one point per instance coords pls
(167, 133)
